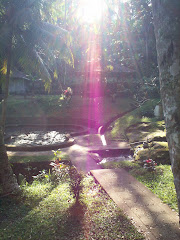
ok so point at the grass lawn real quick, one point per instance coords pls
(139, 115)
(48, 211)
(39, 158)
(34, 106)
(27, 159)
(102, 109)
(160, 182)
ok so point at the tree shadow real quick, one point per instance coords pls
(18, 206)
(73, 225)
(12, 207)
(140, 204)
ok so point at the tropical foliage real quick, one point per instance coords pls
(42, 38)
(30, 44)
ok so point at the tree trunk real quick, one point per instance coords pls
(7, 178)
(167, 31)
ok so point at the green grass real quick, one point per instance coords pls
(47, 211)
(39, 158)
(27, 159)
(36, 106)
(160, 182)
(53, 106)
(134, 117)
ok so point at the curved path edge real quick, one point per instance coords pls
(102, 129)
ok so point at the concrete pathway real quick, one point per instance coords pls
(155, 219)
(150, 216)
(81, 159)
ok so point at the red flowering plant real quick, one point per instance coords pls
(150, 165)
(60, 168)
(68, 93)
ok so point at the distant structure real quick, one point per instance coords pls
(19, 83)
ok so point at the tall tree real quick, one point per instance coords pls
(167, 31)
(28, 43)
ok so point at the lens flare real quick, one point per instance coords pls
(91, 11)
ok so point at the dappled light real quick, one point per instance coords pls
(89, 87)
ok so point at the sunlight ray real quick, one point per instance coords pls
(91, 11)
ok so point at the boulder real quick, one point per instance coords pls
(158, 151)
(158, 111)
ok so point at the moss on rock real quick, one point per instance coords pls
(154, 137)
(158, 151)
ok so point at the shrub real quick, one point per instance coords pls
(66, 170)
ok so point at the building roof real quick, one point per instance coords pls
(20, 75)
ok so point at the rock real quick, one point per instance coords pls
(160, 145)
(158, 111)
(21, 179)
(153, 137)
(95, 156)
(159, 155)
(159, 139)
(142, 126)
(145, 145)
(137, 136)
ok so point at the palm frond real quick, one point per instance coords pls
(4, 67)
(41, 66)
(54, 28)
(22, 17)
(36, 44)
(28, 58)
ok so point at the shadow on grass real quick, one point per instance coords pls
(52, 216)
(11, 208)
(18, 206)
(73, 226)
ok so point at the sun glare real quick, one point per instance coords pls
(91, 11)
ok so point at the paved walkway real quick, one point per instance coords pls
(155, 219)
